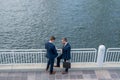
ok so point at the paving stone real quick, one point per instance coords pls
(114, 76)
(93, 76)
(3, 74)
(24, 74)
(105, 79)
(3, 78)
(38, 76)
(65, 76)
(24, 78)
(15, 74)
(75, 72)
(79, 76)
(88, 72)
(15, 78)
(72, 75)
(87, 76)
(58, 76)
(31, 76)
(51, 77)
(106, 74)
(99, 74)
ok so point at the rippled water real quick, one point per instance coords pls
(86, 23)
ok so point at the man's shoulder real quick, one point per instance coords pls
(68, 45)
(46, 42)
(50, 44)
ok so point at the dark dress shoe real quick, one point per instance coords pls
(46, 71)
(64, 72)
(53, 72)
(56, 66)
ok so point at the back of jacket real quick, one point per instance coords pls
(51, 50)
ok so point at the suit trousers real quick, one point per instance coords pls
(51, 64)
(58, 62)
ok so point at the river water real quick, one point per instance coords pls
(28, 24)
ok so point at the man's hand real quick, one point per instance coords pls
(60, 50)
(67, 60)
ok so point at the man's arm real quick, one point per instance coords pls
(55, 52)
(68, 53)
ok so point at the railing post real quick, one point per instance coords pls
(100, 57)
(13, 53)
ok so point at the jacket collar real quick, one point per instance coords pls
(65, 44)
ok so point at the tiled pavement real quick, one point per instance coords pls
(72, 75)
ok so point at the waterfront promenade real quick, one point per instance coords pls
(86, 64)
(100, 74)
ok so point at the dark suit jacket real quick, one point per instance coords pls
(51, 50)
(66, 52)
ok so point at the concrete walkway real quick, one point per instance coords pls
(72, 75)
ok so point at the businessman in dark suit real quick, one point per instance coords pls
(65, 54)
(51, 54)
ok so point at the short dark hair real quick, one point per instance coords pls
(65, 39)
(52, 38)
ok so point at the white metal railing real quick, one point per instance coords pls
(37, 56)
(21, 56)
(112, 55)
(84, 55)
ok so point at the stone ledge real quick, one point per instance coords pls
(42, 66)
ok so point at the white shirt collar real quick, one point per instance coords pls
(65, 43)
(50, 41)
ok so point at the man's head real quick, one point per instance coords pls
(52, 38)
(64, 40)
